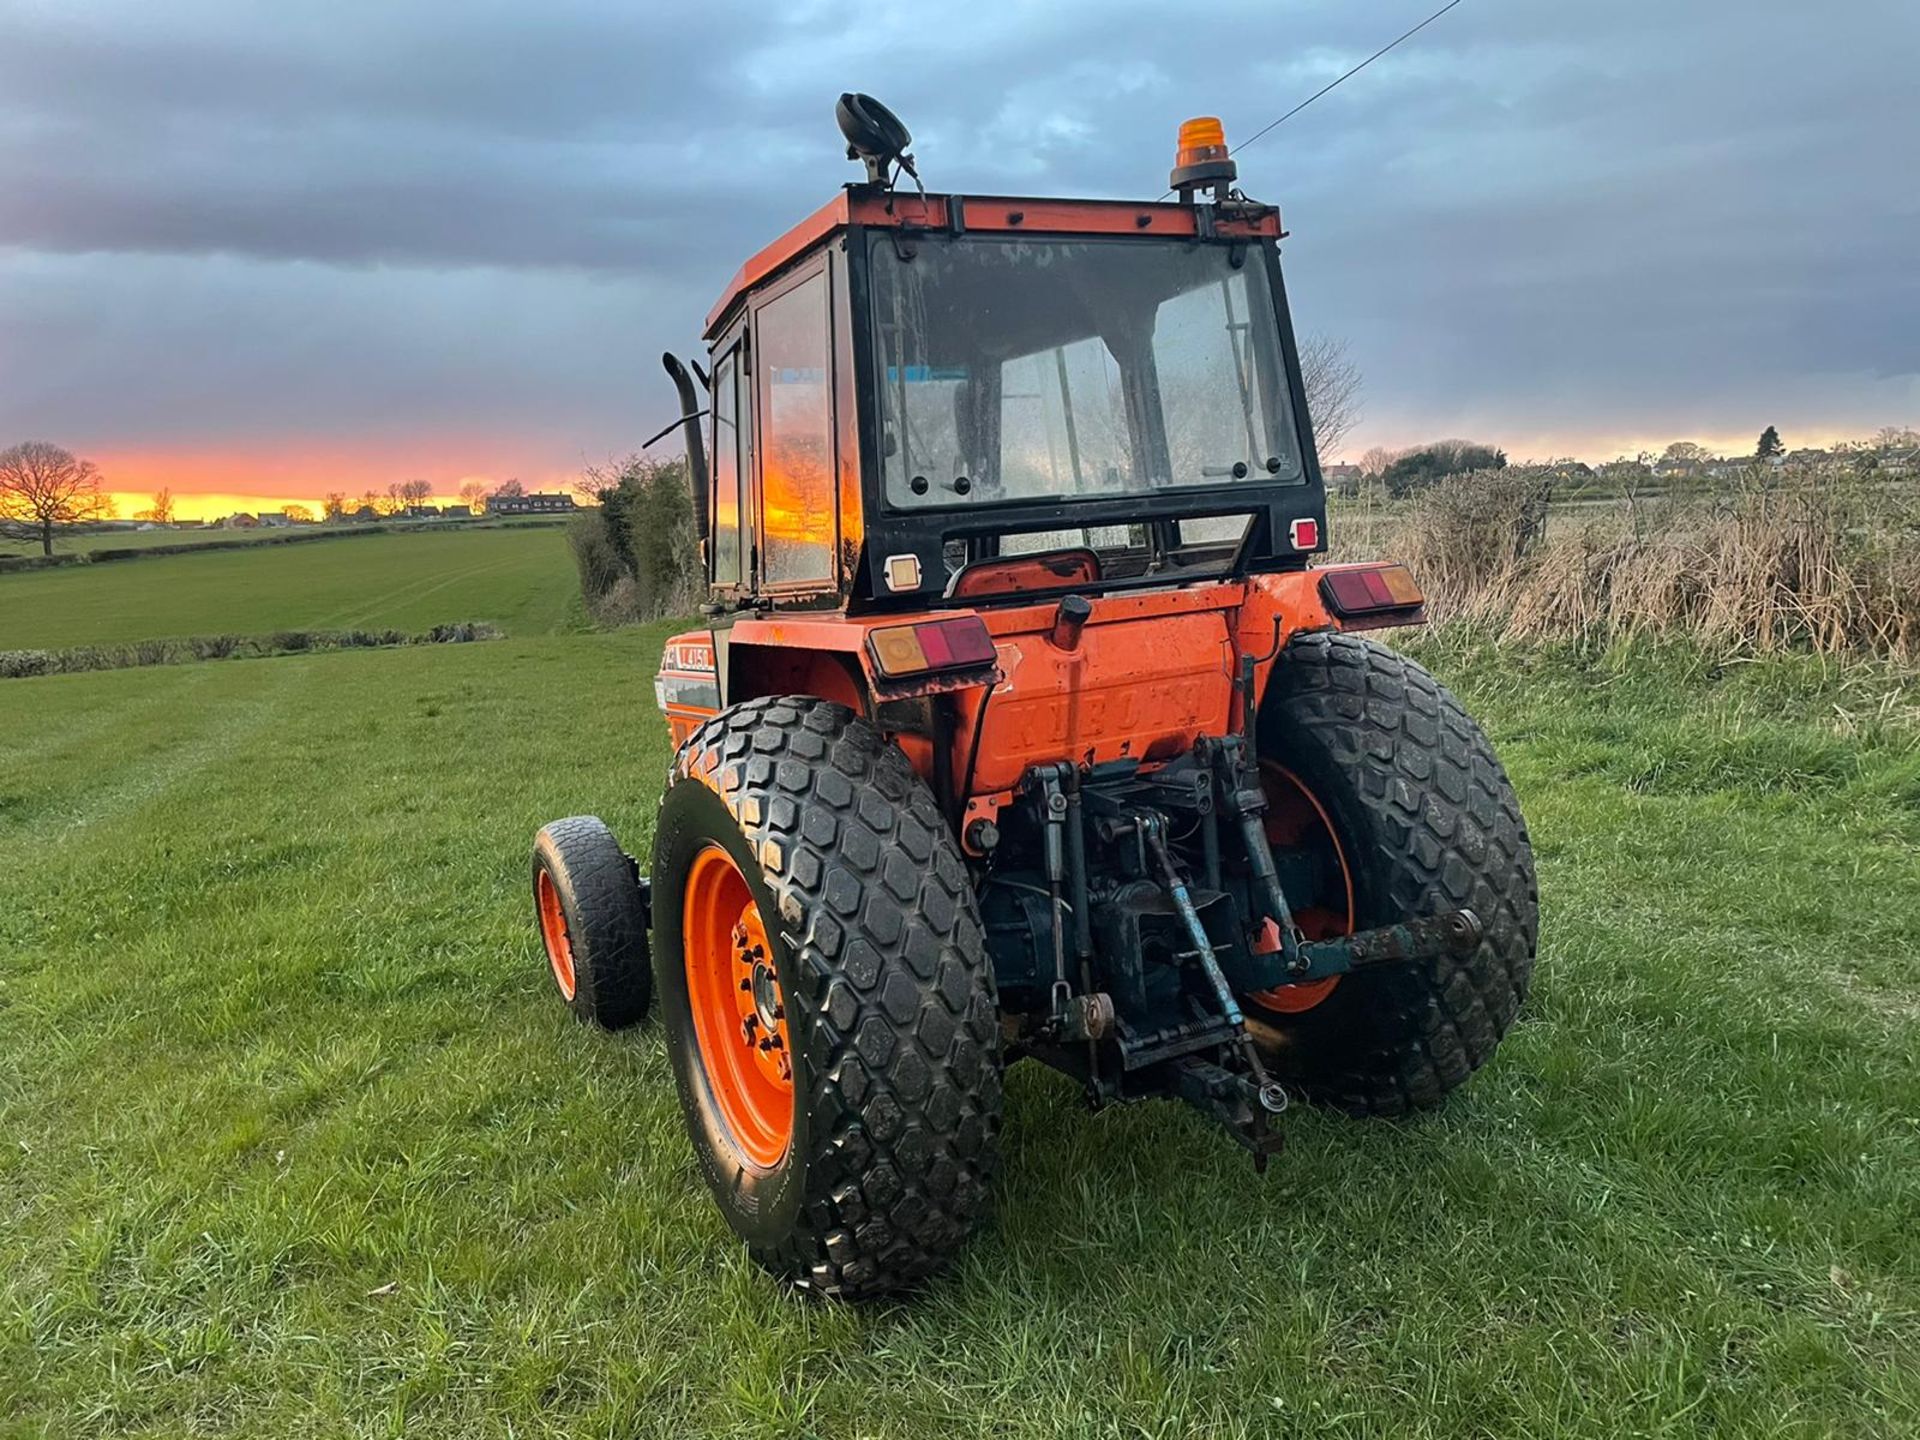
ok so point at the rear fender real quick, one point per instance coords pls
(772, 651)
(1281, 606)
(1278, 607)
(756, 670)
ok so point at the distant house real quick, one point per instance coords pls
(1341, 479)
(241, 521)
(364, 514)
(422, 512)
(1569, 469)
(456, 512)
(274, 521)
(536, 504)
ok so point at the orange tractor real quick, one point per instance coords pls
(1020, 725)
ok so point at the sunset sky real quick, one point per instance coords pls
(255, 253)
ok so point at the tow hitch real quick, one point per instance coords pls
(1247, 1105)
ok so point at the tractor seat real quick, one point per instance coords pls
(1024, 574)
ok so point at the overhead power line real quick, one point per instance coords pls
(1348, 76)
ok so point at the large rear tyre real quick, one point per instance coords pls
(591, 907)
(826, 996)
(1405, 791)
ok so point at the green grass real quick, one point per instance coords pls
(83, 540)
(295, 1138)
(75, 540)
(517, 577)
(80, 541)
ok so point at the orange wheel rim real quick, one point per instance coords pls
(739, 1011)
(1295, 817)
(553, 933)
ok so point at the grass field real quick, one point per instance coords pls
(83, 540)
(296, 1140)
(518, 577)
(127, 540)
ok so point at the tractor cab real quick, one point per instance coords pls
(908, 390)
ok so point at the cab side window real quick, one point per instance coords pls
(732, 537)
(726, 478)
(795, 375)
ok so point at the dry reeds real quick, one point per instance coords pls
(1820, 559)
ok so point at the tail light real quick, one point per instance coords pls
(1366, 597)
(960, 643)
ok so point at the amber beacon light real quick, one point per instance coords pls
(1202, 138)
(1202, 158)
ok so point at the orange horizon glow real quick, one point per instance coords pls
(218, 504)
(212, 484)
(1597, 447)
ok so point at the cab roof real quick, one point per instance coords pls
(869, 205)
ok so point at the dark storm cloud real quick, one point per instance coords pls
(1535, 219)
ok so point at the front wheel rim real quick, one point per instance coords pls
(739, 1009)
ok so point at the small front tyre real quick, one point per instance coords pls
(591, 906)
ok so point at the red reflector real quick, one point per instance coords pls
(1362, 590)
(1305, 534)
(965, 640)
(957, 644)
(934, 643)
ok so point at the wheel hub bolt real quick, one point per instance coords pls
(766, 994)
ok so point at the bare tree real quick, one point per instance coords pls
(511, 487)
(161, 512)
(473, 494)
(42, 488)
(334, 506)
(1332, 383)
(404, 493)
(1686, 452)
(1376, 460)
(298, 514)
